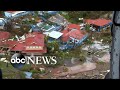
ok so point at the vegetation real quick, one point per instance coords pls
(35, 71)
(35, 76)
(87, 28)
(88, 42)
(10, 72)
(105, 36)
(73, 16)
(65, 69)
(82, 57)
(100, 62)
(52, 47)
(26, 67)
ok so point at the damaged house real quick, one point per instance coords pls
(58, 19)
(5, 43)
(32, 45)
(42, 26)
(72, 37)
(99, 24)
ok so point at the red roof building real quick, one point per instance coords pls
(8, 43)
(73, 31)
(34, 43)
(4, 35)
(11, 43)
(35, 38)
(72, 37)
(98, 22)
(73, 26)
(18, 47)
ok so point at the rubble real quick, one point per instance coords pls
(77, 69)
(72, 76)
(67, 76)
(60, 20)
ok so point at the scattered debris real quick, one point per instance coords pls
(28, 75)
(77, 69)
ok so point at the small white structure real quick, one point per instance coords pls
(80, 18)
(4, 60)
(42, 69)
(97, 42)
(53, 34)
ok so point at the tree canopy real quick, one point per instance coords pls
(73, 16)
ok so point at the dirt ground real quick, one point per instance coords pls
(98, 73)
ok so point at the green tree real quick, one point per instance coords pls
(53, 46)
(87, 27)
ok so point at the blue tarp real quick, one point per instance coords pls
(28, 75)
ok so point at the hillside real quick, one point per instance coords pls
(73, 16)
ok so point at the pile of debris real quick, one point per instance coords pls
(60, 20)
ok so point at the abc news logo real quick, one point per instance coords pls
(18, 60)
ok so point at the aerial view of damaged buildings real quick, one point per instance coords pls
(56, 27)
